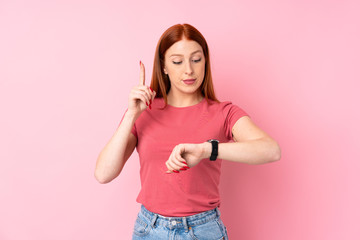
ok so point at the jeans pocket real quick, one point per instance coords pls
(209, 231)
(223, 228)
(141, 227)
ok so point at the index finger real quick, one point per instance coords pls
(142, 74)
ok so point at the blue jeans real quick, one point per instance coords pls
(203, 226)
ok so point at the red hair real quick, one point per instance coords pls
(159, 81)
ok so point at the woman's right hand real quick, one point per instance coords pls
(141, 96)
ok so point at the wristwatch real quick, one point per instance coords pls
(215, 147)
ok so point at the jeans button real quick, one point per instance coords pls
(173, 222)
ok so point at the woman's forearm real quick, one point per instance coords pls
(112, 158)
(257, 151)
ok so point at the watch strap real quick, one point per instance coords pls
(215, 147)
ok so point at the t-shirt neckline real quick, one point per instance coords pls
(187, 107)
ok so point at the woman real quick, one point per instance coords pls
(181, 132)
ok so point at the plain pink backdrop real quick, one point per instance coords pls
(66, 69)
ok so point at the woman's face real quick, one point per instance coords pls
(185, 65)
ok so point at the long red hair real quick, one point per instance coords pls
(159, 80)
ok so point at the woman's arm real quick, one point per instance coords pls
(252, 146)
(117, 151)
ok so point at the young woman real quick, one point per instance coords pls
(182, 133)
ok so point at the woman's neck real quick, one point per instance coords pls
(184, 100)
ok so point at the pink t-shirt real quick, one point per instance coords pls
(158, 131)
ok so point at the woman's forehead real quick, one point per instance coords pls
(184, 47)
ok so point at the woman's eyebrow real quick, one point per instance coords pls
(183, 55)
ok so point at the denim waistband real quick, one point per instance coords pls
(180, 222)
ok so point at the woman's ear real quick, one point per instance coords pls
(165, 71)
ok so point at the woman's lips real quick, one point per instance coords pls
(189, 81)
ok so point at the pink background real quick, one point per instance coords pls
(66, 69)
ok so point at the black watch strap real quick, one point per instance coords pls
(215, 147)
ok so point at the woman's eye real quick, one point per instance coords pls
(197, 60)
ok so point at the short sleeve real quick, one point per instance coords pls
(133, 129)
(231, 113)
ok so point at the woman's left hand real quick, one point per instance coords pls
(185, 156)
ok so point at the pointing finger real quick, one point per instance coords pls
(142, 74)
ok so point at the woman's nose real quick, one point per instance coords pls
(189, 69)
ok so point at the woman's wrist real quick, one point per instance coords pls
(131, 115)
(206, 149)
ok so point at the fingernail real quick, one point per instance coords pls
(150, 106)
(175, 171)
(150, 101)
(186, 167)
(147, 104)
(185, 162)
(183, 169)
(151, 89)
(140, 62)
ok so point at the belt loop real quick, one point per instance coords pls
(185, 224)
(217, 211)
(153, 220)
